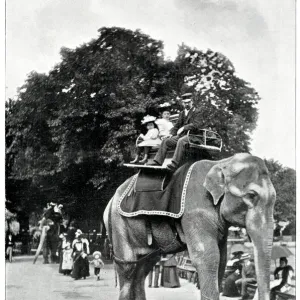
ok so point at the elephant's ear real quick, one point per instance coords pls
(215, 183)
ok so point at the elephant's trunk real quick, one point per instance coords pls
(42, 240)
(260, 228)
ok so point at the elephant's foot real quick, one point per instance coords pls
(46, 262)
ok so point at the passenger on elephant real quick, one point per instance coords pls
(48, 212)
(189, 120)
(248, 275)
(164, 124)
(80, 255)
(148, 140)
(52, 211)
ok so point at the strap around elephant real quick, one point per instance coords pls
(156, 252)
(151, 254)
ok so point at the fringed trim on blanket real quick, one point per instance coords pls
(156, 212)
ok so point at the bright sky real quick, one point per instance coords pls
(258, 36)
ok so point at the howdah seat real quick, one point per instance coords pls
(200, 146)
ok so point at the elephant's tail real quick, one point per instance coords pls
(42, 240)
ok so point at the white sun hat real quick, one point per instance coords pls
(148, 119)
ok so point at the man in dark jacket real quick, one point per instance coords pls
(285, 272)
(9, 244)
(189, 120)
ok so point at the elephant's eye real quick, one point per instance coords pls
(252, 195)
(251, 199)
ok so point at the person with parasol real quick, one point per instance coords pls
(283, 274)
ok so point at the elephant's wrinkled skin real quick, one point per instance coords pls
(235, 191)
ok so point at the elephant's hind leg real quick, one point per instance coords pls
(132, 279)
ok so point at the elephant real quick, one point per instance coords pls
(236, 191)
(51, 228)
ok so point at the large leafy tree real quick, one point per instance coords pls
(227, 102)
(284, 181)
(69, 132)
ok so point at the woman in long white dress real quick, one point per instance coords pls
(67, 261)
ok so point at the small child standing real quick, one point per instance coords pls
(98, 263)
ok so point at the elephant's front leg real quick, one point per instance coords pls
(46, 251)
(223, 261)
(140, 276)
(205, 255)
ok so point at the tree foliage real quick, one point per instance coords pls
(227, 102)
(70, 130)
(284, 181)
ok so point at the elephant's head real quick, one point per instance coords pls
(247, 196)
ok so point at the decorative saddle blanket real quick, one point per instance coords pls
(156, 193)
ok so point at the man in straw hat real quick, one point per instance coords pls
(189, 120)
(248, 274)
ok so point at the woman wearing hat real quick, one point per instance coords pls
(80, 252)
(149, 140)
(66, 262)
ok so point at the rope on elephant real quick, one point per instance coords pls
(147, 256)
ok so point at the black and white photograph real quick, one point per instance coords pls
(150, 149)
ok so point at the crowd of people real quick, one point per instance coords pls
(74, 256)
(240, 272)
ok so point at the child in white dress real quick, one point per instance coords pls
(148, 140)
(164, 124)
